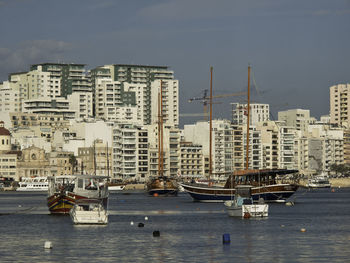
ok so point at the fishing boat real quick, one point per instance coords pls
(264, 181)
(161, 185)
(89, 211)
(33, 184)
(320, 181)
(242, 205)
(64, 191)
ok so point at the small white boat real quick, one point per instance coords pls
(119, 187)
(320, 181)
(89, 211)
(33, 184)
(242, 205)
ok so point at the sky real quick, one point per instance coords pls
(296, 49)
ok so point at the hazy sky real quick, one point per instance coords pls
(297, 49)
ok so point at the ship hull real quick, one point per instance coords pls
(62, 203)
(270, 193)
(163, 192)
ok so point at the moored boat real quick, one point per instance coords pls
(64, 191)
(242, 205)
(264, 185)
(320, 181)
(33, 184)
(162, 185)
(89, 211)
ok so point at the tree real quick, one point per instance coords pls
(73, 162)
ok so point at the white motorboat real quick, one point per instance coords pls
(242, 205)
(320, 181)
(89, 211)
(33, 184)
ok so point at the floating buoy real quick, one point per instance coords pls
(333, 190)
(226, 238)
(156, 233)
(155, 194)
(132, 223)
(141, 225)
(246, 215)
(19, 206)
(289, 203)
(48, 245)
(282, 225)
(303, 230)
(146, 218)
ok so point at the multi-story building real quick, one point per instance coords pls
(270, 144)
(57, 106)
(346, 146)
(170, 99)
(141, 78)
(298, 118)
(61, 163)
(191, 160)
(258, 112)
(130, 152)
(64, 78)
(81, 103)
(339, 98)
(255, 154)
(227, 146)
(9, 101)
(95, 160)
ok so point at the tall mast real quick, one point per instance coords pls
(107, 162)
(248, 120)
(210, 123)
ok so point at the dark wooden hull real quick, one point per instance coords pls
(61, 203)
(270, 193)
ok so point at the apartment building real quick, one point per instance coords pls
(227, 145)
(298, 118)
(258, 112)
(339, 98)
(170, 101)
(130, 152)
(325, 147)
(191, 160)
(81, 102)
(141, 78)
(64, 78)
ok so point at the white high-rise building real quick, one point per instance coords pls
(170, 99)
(339, 98)
(81, 103)
(130, 152)
(258, 113)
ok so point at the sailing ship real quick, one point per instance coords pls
(264, 182)
(161, 185)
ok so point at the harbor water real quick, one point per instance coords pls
(188, 231)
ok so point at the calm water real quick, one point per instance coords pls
(189, 232)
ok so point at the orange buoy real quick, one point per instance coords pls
(303, 230)
(246, 215)
(155, 194)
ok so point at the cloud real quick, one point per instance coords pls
(20, 57)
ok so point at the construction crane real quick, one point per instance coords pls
(205, 99)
